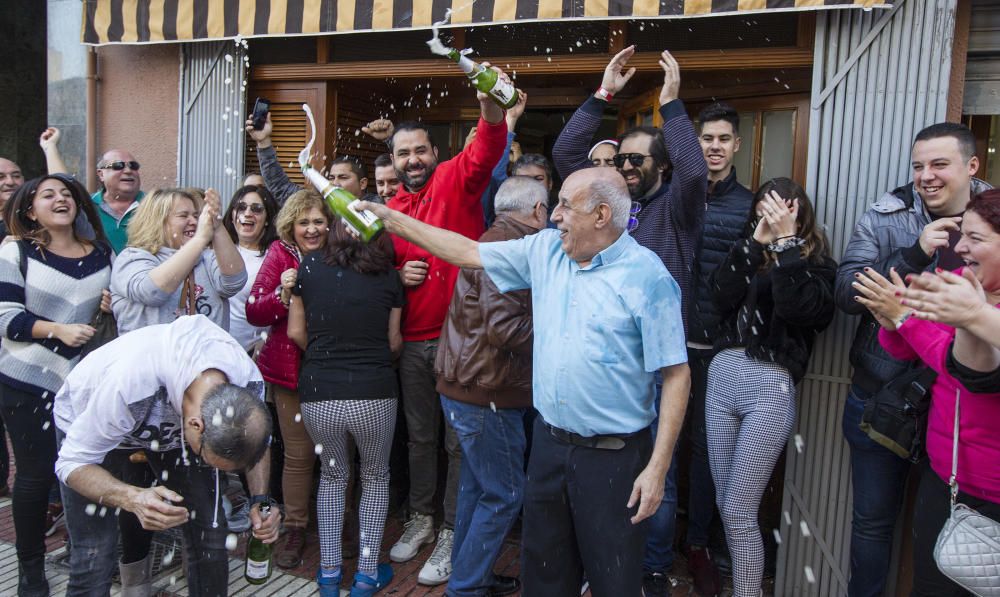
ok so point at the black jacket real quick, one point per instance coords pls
(726, 213)
(775, 313)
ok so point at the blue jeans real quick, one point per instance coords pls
(659, 554)
(878, 477)
(491, 478)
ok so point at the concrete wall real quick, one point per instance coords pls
(67, 83)
(22, 80)
(137, 107)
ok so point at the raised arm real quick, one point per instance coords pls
(450, 246)
(569, 153)
(274, 175)
(689, 181)
(49, 141)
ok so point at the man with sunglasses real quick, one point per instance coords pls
(121, 186)
(667, 179)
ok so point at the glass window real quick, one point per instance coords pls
(993, 153)
(743, 159)
(778, 128)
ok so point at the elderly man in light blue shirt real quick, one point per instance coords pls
(607, 317)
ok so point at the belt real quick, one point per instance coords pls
(600, 442)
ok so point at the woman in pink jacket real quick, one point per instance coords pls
(303, 225)
(910, 338)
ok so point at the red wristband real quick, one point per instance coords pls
(604, 94)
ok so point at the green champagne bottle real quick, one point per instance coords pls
(258, 567)
(365, 223)
(486, 80)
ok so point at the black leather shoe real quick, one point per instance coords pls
(504, 585)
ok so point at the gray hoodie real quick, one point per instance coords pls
(137, 302)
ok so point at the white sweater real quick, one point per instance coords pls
(128, 393)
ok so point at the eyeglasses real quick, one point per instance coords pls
(636, 159)
(257, 208)
(120, 165)
(633, 215)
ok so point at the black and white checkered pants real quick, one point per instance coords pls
(749, 414)
(371, 423)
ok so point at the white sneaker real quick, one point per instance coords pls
(419, 532)
(437, 570)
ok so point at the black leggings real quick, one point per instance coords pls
(32, 434)
(932, 510)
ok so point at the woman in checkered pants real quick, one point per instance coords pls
(775, 295)
(345, 315)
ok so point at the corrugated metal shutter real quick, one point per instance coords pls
(878, 78)
(212, 112)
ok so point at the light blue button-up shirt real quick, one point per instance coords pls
(600, 331)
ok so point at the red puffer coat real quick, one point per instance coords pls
(278, 360)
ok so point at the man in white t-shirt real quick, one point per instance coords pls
(188, 396)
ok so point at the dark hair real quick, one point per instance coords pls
(356, 166)
(345, 250)
(720, 111)
(410, 125)
(657, 147)
(15, 211)
(987, 206)
(237, 425)
(533, 159)
(961, 133)
(383, 160)
(270, 213)
(786, 188)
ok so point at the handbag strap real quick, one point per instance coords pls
(953, 481)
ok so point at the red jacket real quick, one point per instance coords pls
(278, 360)
(449, 200)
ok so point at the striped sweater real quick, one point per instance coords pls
(670, 223)
(58, 289)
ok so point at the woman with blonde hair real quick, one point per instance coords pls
(774, 292)
(179, 261)
(303, 226)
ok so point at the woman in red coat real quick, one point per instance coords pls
(303, 225)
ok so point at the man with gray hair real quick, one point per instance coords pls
(483, 370)
(188, 396)
(607, 317)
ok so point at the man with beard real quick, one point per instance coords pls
(120, 193)
(445, 195)
(11, 180)
(667, 177)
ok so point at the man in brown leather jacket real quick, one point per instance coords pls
(484, 377)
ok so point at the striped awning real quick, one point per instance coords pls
(151, 21)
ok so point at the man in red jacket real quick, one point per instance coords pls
(446, 195)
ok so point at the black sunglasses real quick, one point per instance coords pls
(120, 165)
(636, 159)
(257, 208)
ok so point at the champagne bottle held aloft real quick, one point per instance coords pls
(258, 566)
(486, 80)
(340, 201)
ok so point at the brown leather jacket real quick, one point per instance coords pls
(484, 354)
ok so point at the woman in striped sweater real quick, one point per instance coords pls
(52, 282)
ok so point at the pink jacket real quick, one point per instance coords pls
(979, 423)
(278, 360)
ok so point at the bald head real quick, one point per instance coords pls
(602, 185)
(592, 212)
(11, 179)
(123, 183)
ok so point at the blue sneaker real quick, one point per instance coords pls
(373, 585)
(329, 586)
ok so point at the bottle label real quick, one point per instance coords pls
(368, 218)
(258, 570)
(503, 91)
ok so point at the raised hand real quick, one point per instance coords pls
(936, 235)
(881, 297)
(615, 73)
(49, 139)
(514, 114)
(263, 136)
(381, 129)
(671, 78)
(945, 297)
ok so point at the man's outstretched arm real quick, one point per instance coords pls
(450, 246)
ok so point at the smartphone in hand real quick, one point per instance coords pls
(260, 109)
